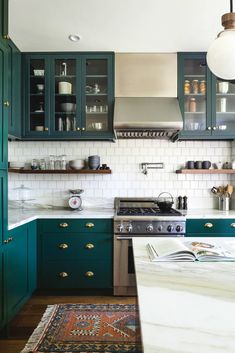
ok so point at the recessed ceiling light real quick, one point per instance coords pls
(74, 37)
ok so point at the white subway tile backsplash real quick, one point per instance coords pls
(124, 157)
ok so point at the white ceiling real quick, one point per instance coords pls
(116, 25)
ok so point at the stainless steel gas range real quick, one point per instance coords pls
(138, 217)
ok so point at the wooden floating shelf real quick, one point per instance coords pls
(67, 171)
(205, 171)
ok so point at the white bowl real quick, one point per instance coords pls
(68, 107)
(17, 164)
(76, 164)
(38, 72)
(39, 128)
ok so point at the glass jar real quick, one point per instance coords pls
(63, 162)
(192, 105)
(52, 162)
(202, 87)
(187, 87)
(34, 164)
(42, 164)
(195, 86)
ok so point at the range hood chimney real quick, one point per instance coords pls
(147, 117)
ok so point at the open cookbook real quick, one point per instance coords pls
(178, 250)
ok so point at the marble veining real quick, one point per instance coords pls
(185, 307)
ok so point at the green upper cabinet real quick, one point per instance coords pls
(4, 104)
(207, 104)
(4, 19)
(68, 96)
(14, 91)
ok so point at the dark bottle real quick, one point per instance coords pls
(185, 203)
(179, 203)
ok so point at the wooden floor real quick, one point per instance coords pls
(28, 318)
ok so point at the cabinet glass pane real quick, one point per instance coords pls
(37, 95)
(65, 103)
(194, 94)
(225, 106)
(96, 95)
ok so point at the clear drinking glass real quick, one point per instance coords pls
(52, 162)
(63, 162)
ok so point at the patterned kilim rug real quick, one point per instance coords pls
(87, 328)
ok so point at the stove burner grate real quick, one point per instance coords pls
(146, 211)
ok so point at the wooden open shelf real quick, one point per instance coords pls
(67, 171)
(205, 171)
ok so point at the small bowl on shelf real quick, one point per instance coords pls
(39, 128)
(76, 164)
(68, 107)
(38, 72)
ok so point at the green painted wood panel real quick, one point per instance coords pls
(4, 18)
(2, 311)
(76, 226)
(16, 270)
(3, 207)
(32, 256)
(4, 110)
(220, 227)
(15, 92)
(76, 279)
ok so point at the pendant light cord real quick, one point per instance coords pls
(231, 5)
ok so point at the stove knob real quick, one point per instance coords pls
(179, 228)
(129, 228)
(170, 228)
(149, 228)
(120, 228)
(159, 228)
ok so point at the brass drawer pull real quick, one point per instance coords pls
(232, 225)
(6, 241)
(7, 104)
(89, 274)
(90, 225)
(10, 239)
(63, 274)
(89, 246)
(6, 36)
(63, 246)
(64, 225)
(208, 225)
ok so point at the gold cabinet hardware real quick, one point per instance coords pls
(7, 104)
(78, 129)
(63, 274)
(6, 36)
(89, 274)
(89, 246)
(10, 239)
(90, 225)
(63, 246)
(209, 128)
(83, 128)
(6, 241)
(232, 225)
(214, 128)
(46, 129)
(64, 225)
(208, 225)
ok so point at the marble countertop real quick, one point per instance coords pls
(208, 213)
(18, 217)
(185, 307)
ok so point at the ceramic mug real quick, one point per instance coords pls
(64, 87)
(223, 87)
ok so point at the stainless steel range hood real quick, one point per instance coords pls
(143, 117)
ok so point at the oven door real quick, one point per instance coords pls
(124, 269)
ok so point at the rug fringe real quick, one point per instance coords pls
(37, 333)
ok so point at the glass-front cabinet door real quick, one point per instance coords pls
(97, 97)
(66, 105)
(37, 99)
(193, 95)
(223, 111)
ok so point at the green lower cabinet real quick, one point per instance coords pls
(19, 268)
(70, 259)
(210, 227)
(2, 311)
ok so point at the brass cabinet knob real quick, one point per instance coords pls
(208, 225)
(209, 128)
(90, 225)
(64, 225)
(214, 128)
(6, 36)
(10, 239)
(83, 128)
(89, 274)
(89, 246)
(63, 274)
(7, 104)
(6, 241)
(232, 225)
(78, 129)
(63, 246)
(46, 129)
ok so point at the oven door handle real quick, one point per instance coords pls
(123, 238)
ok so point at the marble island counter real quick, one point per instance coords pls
(185, 307)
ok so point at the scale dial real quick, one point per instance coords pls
(75, 202)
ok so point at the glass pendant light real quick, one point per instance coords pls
(221, 53)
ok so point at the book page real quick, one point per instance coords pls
(169, 249)
(211, 251)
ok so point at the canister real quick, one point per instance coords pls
(224, 203)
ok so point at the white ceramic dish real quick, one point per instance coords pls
(39, 128)
(68, 107)
(76, 164)
(38, 72)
